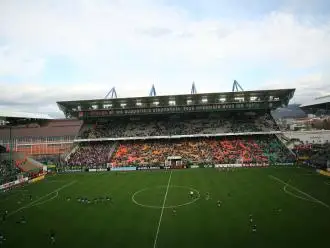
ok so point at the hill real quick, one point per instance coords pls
(291, 111)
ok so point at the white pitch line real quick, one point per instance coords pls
(172, 206)
(304, 193)
(36, 201)
(43, 202)
(297, 196)
(162, 211)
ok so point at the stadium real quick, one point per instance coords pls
(192, 170)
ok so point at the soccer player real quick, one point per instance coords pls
(207, 196)
(109, 199)
(22, 220)
(2, 238)
(219, 203)
(191, 193)
(52, 237)
(254, 228)
(173, 211)
(30, 197)
(251, 218)
(4, 216)
(277, 210)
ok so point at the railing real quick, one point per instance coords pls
(280, 137)
(176, 136)
(113, 149)
(67, 156)
(37, 140)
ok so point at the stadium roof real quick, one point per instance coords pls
(280, 97)
(23, 115)
(317, 102)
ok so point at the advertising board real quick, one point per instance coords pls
(123, 168)
(148, 168)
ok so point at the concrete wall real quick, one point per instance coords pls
(319, 137)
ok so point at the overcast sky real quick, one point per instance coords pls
(79, 49)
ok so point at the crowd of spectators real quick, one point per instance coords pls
(265, 149)
(317, 155)
(180, 126)
(91, 155)
(54, 159)
(8, 170)
(251, 149)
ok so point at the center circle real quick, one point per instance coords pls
(191, 200)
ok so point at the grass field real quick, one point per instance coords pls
(141, 214)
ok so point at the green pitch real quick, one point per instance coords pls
(289, 206)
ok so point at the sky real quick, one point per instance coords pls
(68, 50)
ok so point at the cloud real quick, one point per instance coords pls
(19, 63)
(132, 44)
(155, 31)
(96, 29)
(307, 88)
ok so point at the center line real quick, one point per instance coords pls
(162, 211)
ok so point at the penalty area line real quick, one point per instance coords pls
(35, 202)
(162, 211)
(301, 192)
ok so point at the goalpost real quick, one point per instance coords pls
(173, 162)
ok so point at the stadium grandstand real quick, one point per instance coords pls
(212, 128)
(28, 139)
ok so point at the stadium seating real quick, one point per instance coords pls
(225, 150)
(8, 171)
(181, 126)
(316, 154)
(93, 155)
(49, 159)
(217, 151)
